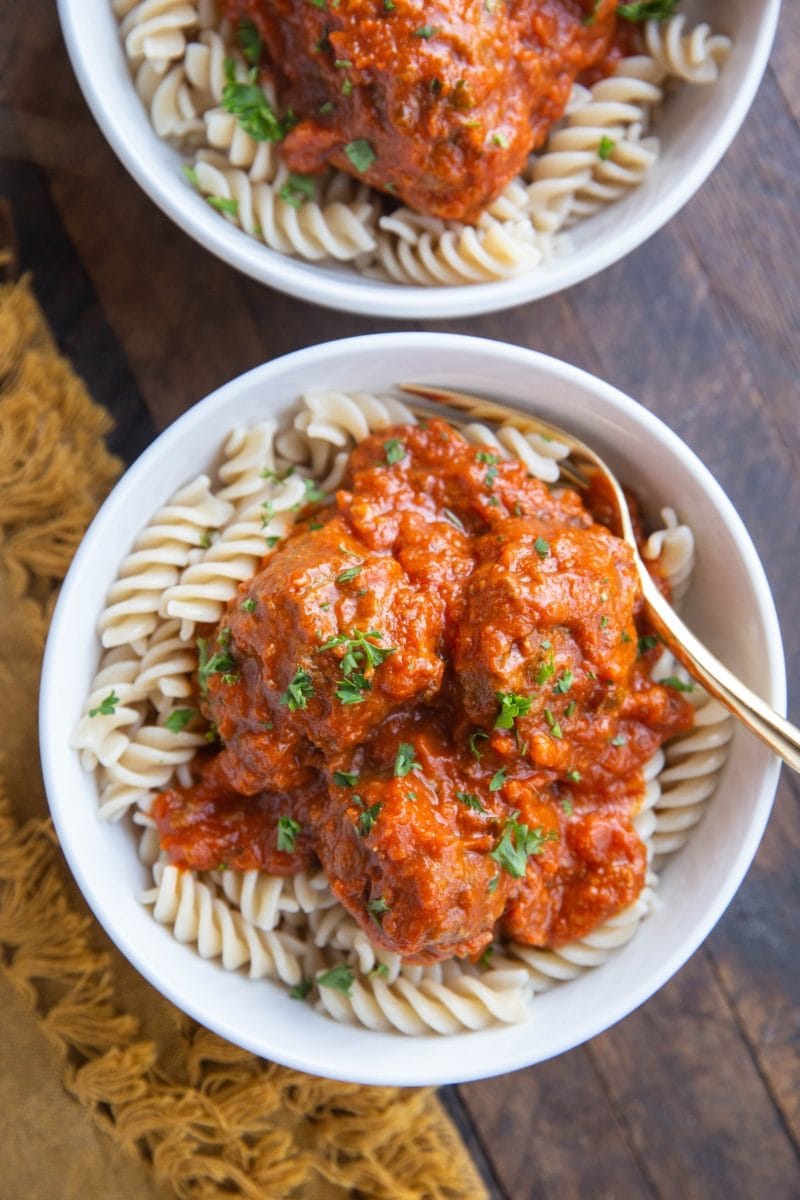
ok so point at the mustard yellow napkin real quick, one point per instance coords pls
(106, 1090)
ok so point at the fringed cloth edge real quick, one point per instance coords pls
(211, 1118)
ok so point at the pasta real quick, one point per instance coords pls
(180, 54)
(291, 928)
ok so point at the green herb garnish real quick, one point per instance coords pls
(301, 989)
(368, 817)
(470, 800)
(680, 685)
(605, 148)
(511, 707)
(345, 778)
(395, 451)
(541, 547)
(179, 718)
(339, 978)
(361, 154)
(107, 707)
(404, 761)
(288, 830)
(299, 691)
(517, 843)
(474, 738)
(297, 189)
(248, 102)
(497, 780)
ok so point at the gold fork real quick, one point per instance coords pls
(778, 733)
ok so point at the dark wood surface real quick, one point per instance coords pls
(697, 1095)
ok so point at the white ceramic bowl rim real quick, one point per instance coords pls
(122, 127)
(342, 1052)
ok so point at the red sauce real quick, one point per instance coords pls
(359, 695)
(450, 97)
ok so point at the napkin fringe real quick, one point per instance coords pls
(211, 1118)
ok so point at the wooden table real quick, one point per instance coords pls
(697, 1095)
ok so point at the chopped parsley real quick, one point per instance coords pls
(680, 685)
(605, 148)
(483, 961)
(297, 189)
(497, 780)
(272, 540)
(500, 139)
(376, 908)
(603, 622)
(511, 707)
(190, 174)
(570, 709)
(368, 817)
(345, 778)
(299, 691)
(470, 800)
(566, 806)
(224, 205)
(625, 636)
(574, 776)
(288, 830)
(248, 606)
(648, 10)
(301, 989)
(361, 154)
(380, 970)
(218, 663)
(395, 451)
(648, 642)
(248, 102)
(349, 575)
(339, 978)
(427, 31)
(553, 725)
(107, 707)
(249, 42)
(541, 547)
(179, 718)
(564, 682)
(517, 843)
(619, 740)
(313, 494)
(547, 669)
(492, 884)
(352, 689)
(474, 738)
(405, 762)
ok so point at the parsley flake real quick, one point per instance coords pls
(376, 908)
(368, 817)
(339, 978)
(249, 605)
(511, 707)
(218, 663)
(345, 778)
(680, 685)
(299, 691)
(619, 740)
(648, 642)
(474, 738)
(349, 575)
(297, 189)
(517, 844)
(541, 547)
(574, 776)
(470, 800)
(564, 682)
(179, 718)
(248, 102)
(224, 205)
(288, 830)
(301, 989)
(497, 780)
(361, 154)
(648, 10)
(605, 148)
(404, 761)
(395, 451)
(427, 31)
(249, 42)
(107, 707)
(566, 807)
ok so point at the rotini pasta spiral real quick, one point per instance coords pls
(161, 550)
(198, 916)
(453, 1003)
(427, 251)
(694, 56)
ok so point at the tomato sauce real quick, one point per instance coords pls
(443, 101)
(434, 687)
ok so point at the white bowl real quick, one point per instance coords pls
(696, 128)
(696, 885)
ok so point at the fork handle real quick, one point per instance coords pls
(779, 734)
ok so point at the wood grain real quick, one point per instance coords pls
(695, 1095)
